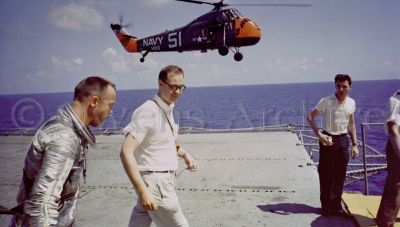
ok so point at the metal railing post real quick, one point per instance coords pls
(364, 160)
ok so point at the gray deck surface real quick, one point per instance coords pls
(245, 179)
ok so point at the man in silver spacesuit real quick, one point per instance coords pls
(57, 156)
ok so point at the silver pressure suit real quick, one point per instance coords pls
(53, 165)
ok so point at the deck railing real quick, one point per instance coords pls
(379, 166)
(369, 162)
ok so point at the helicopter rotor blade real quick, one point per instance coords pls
(195, 1)
(277, 5)
(217, 5)
(121, 18)
(221, 4)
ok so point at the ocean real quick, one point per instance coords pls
(226, 107)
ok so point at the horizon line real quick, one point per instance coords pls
(227, 85)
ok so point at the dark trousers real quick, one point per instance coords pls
(332, 172)
(390, 202)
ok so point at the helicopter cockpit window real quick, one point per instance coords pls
(230, 14)
(235, 13)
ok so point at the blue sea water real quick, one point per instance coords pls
(224, 107)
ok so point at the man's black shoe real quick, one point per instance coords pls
(342, 213)
(326, 212)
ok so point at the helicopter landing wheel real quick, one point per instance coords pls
(238, 56)
(143, 56)
(223, 50)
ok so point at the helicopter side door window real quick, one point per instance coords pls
(204, 34)
(230, 18)
(222, 18)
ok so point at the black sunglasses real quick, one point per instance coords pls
(175, 87)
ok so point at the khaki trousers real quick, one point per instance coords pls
(169, 212)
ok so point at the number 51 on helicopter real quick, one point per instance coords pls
(222, 28)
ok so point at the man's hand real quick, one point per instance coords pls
(191, 164)
(148, 201)
(325, 139)
(354, 151)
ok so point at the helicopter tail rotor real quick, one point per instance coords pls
(120, 27)
(121, 21)
(128, 42)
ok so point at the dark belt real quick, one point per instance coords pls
(166, 171)
(334, 136)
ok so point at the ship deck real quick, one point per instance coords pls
(244, 179)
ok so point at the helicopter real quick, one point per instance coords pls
(222, 28)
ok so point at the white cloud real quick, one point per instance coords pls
(283, 65)
(110, 52)
(74, 65)
(100, 3)
(387, 63)
(18, 30)
(119, 67)
(198, 55)
(155, 3)
(39, 74)
(116, 63)
(76, 17)
(79, 61)
(381, 64)
(120, 64)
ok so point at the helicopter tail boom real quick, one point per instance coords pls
(128, 42)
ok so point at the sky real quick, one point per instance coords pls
(49, 46)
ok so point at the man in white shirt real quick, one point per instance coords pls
(390, 202)
(150, 154)
(338, 119)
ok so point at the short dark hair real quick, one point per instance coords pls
(91, 86)
(167, 70)
(342, 77)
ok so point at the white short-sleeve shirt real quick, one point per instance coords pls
(393, 111)
(335, 115)
(150, 127)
